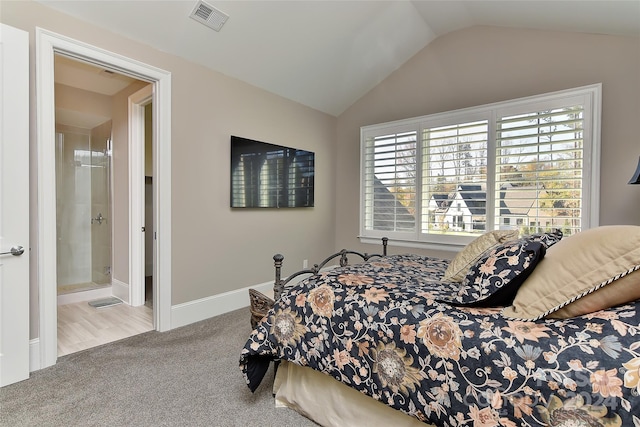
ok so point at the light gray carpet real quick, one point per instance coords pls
(185, 377)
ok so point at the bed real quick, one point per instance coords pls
(514, 331)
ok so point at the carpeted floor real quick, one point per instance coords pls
(185, 377)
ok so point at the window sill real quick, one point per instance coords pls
(450, 247)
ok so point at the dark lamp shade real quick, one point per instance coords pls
(635, 179)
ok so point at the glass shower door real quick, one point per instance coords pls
(83, 193)
(101, 204)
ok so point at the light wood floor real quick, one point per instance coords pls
(81, 326)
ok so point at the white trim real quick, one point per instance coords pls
(162, 202)
(137, 265)
(596, 148)
(205, 308)
(48, 43)
(120, 290)
(450, 247)
(34, 355)
(215, 305)
(88, 295)
(46, 254)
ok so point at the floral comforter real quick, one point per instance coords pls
(379, 327)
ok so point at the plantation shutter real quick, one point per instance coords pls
(438, 181)
(454, 178)
(539, 170)
(389, 182)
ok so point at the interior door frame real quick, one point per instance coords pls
(47, 44)
(136, 106)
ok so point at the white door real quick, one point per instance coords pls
(14, 205)
(137, 255)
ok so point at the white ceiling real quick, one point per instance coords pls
(328, 54)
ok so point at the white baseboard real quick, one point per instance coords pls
(120, 290)
(34, 355)
(181, 314)
(195, 311)
(202, 309)
(87, 295)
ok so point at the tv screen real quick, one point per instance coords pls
(266, 175)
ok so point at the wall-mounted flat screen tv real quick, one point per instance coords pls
(266, 175)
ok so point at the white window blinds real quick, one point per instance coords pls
(454, 161)
(390, 182)
(443, 179)
(539, 172)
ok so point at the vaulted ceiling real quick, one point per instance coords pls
(328, 54)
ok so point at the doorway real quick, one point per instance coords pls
(87, 97)
(48, 44)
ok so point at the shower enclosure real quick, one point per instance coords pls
(83, 208)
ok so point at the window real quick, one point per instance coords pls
(444, 179)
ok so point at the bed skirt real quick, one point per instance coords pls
(328, 402)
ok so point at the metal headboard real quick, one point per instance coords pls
(279, 283)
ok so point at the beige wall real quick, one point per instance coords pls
(215, 249)
(482, 65)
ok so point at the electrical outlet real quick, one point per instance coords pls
(305, 263)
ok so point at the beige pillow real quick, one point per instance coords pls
(467, 257)
(576, 266)
(621, 291)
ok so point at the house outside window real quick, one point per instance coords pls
(442, 180)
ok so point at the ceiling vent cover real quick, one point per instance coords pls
(208, 15)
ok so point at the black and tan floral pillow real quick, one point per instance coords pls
(494, 280)
(547, 239)
(470, 254)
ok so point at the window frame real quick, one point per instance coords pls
(589, 96)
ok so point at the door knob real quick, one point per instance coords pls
(15, 251)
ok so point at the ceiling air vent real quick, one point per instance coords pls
(208, 15)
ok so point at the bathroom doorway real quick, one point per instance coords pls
(49, 45)
(94, 307)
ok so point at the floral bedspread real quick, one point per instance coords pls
(379, 328)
